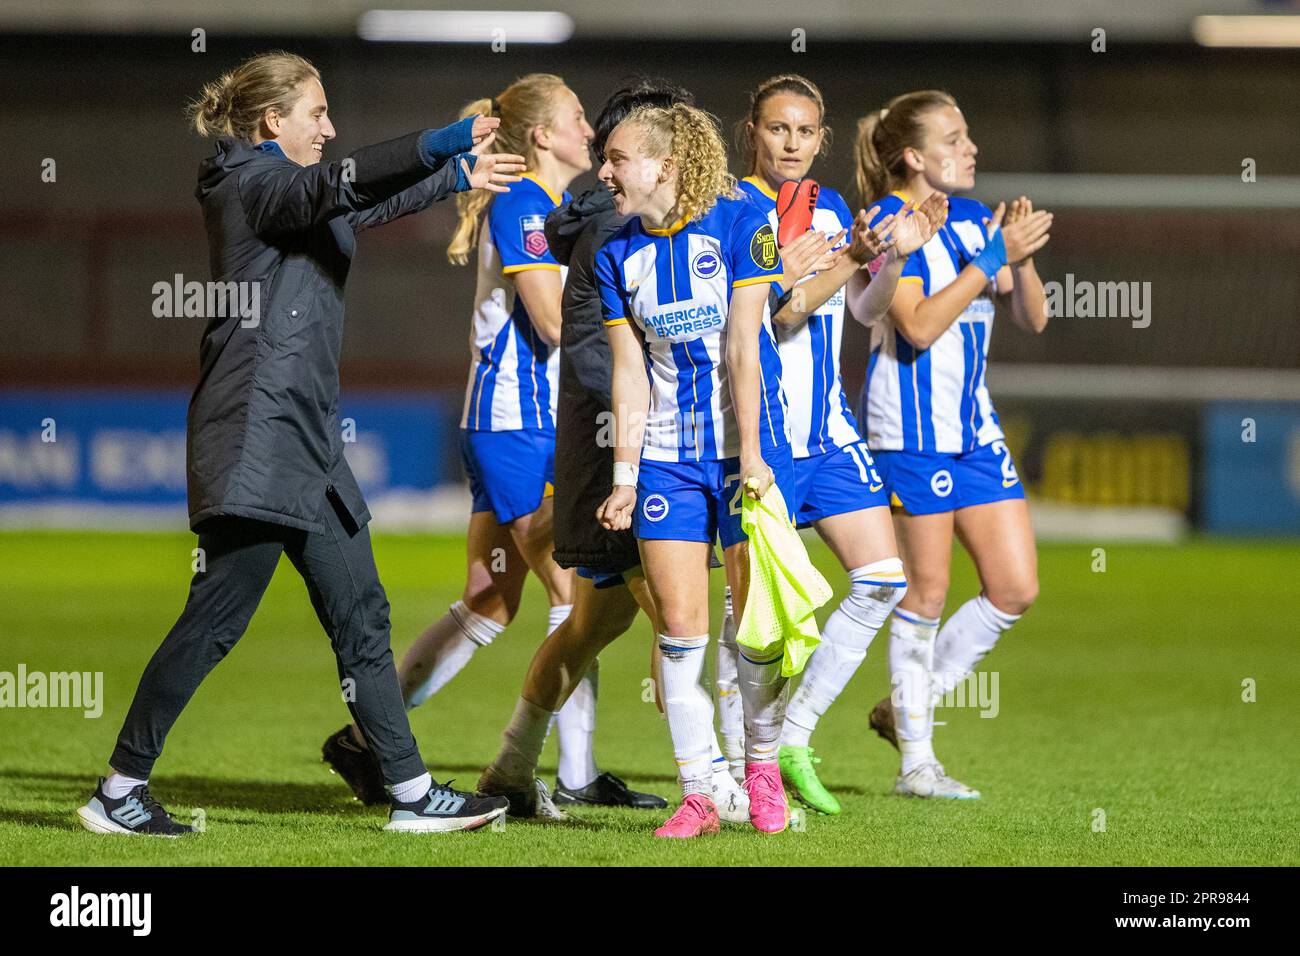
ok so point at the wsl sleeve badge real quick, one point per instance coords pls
(532, 234)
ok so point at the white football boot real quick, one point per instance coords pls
(730, 798)
(929, 780)
(546, 808)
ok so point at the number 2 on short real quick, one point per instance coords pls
(1008, 466)
(734, 507)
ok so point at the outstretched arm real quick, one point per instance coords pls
(281, 198)
(444, 182)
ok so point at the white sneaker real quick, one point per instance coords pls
(929, 780)
(730, 798)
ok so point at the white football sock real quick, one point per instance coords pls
(576, 726)
(575, 721)
(731, 712)
(718, 762)
(911, 651)
(874, 591)
(762, 687)
(411, 790)
(964, 640)
(442, 650)
(521, 743)
(118, 785)
(558, 614)
(689, 710)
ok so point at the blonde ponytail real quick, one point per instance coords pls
(470, 205)
(524, 105)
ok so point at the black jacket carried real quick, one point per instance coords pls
(263, 430)
(583, 468)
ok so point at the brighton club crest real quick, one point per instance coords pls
(532, 229)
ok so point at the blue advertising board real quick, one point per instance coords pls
(1251, 471)
(117, 447)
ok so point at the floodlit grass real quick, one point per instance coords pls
(1120, 692)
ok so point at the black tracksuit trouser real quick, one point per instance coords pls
(338, 567)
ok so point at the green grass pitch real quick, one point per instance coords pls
(1120, 692)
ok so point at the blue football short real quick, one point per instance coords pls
(607, 579)
(510, 472)
(926, 484)
(698, 500)
(837, 482)
(612, 579)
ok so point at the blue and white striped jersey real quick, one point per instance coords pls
(820, 420)
(676, 284)
(516, 375)
(934, 400)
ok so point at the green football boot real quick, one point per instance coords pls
(797, 771)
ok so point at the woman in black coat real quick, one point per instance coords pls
(266, 470)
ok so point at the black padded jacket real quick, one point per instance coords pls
(583, 468)
(263, 436)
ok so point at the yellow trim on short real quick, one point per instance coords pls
(894, 501)
(912, 279)
(761, 186)
(545, 188)
(675, 227)
(548, 490)
(507, 270)
(754, 281)
(610, 322)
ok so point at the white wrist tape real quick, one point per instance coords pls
(624, 473)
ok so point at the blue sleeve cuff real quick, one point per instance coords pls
(462, 181)
(993, 256)
(438, 145)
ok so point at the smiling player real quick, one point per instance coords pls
(698, 414)
(508, 427)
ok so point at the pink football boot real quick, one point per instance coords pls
(768, 810)
(695, 817)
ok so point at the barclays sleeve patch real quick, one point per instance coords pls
(532, 235)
